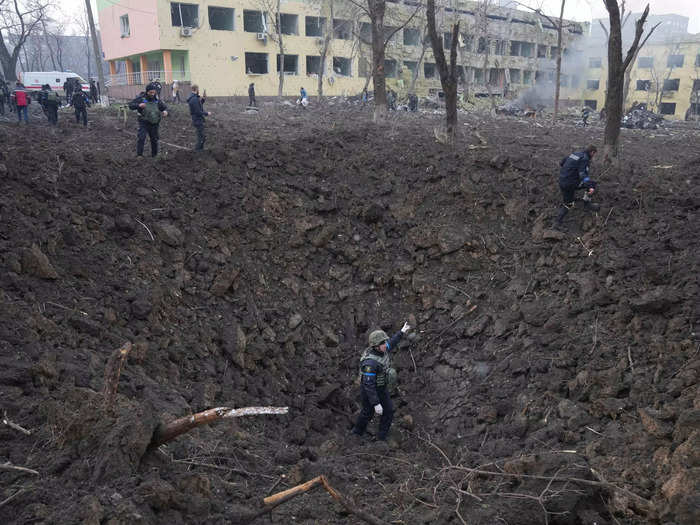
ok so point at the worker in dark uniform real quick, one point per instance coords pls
(377, 379)
(251, 96)
(150, 109)
(80, 102)
(51, 101)
(573, 175)
(198, 114)
(585, 113)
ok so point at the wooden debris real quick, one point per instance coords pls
(113, 370)
(6, 421)
(9, 466)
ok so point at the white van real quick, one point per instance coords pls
(33, 80)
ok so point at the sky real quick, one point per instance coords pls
(585, 10)
(579, 10)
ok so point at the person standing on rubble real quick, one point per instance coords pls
(573, 175)
(151, 109)
(377, 380)
(585, 113)
(197, 113)
(81, 101)
(251, 96)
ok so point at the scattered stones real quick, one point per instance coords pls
(170, 234)
(294, 321)
(655, 301)
(224, 280)
(36, 263)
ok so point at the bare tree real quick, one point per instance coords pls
(276, 34)
(325, 46)
(81, 21)
(18, 20)
(448, 73)
(95, 46)
(425, 43)
(616, 74)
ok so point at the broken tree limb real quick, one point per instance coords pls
(113, 370)
(6, 421)
(277, 499)
(9, 466)
(169, 431)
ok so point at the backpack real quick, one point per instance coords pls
(52, 97)
(151, 113)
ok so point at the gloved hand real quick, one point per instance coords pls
(406, 328)
(378, 410)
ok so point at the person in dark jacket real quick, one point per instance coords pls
(251, 96)
(376, 376)
(150, 110)
(80, 102)
(3, 89)
(197, 113)
(50, 102)
(68, 90)
(94, 96)
(573, 175)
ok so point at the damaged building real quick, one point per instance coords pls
(501, 51)
(664, 78)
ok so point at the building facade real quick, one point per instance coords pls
(665, 74)
(224, 45)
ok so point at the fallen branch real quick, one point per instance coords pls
(9, 466)
(15, 426)
(629, 357)
(275, 500)
(169, 431)
(10, 498)
(113, 370)
(149, 231)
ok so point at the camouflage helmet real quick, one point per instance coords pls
(377, 337)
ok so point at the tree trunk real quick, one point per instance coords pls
(324, 51)
(377, 9)
(558, 79)
(96, 48)
(280, 41)
(448, 74)
(414, 77)
(48, 45)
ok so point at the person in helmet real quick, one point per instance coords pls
(151, 109)
(376, 376)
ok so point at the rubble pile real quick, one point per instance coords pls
(641, 118)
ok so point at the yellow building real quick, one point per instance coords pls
(224, 45)
(665, 76)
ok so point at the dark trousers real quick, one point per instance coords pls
(22, 110)
(201, 137)
(146, 128)
(367, 413)
(251, 101)
(568, 197)
(81, 113)
(52, 113)
(2, 104)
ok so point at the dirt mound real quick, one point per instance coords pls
(552, 377)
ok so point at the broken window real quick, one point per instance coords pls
(184, 15)
(428, 70)
(495, 76)
(313, 65)
(342, 29)
(592, 84)
(461, 76)
(539, 77)
(291, 64)
(483, 45)
(541, 51)
(514, 76)
(694, 109)
(515, 48)
(645, 62)
(667, 108)
(595, 62)
(254, 21)
(643, 85)
(674, 61)
(527, 49)
(466, 41)
(411, 66)
(289, 24)
(366, 32)
(500, 47)
(527, 77)
(593, 104)
(256, 63)
(315, 26)
(672, 84)
(411, 36)
(554, 51)
(220, 18)
(447, 40)
(696, 85)
(390, 68)
(124, 25)
(342, 66)
(478, 76)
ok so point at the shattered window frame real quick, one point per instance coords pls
(645, 62)
(429, 70)
(254, 61)
(220, 14)
(391, 68)
(251, 18)
(289, 24)
(672, 84)
(124, 28)
(342, 66)
(342, 29)
(313, 64)
(515, 75)
(314, 26)
(643, 85)
(291, 64)
(667, 108)
(592, 85)
(411, 65)
(181, 12)
(411, 36)
(591, 103)
(675, 60)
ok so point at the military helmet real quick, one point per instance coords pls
(377, 337)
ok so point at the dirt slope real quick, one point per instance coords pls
(251, 275)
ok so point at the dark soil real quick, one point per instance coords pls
(251, 275)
